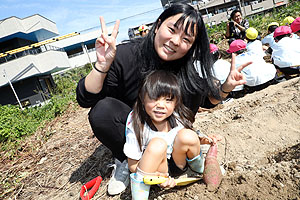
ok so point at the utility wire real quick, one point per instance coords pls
(123, 19)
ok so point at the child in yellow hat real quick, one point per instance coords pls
(254, 45)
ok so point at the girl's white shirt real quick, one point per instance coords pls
(131, 147)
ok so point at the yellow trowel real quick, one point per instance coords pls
(153, 180)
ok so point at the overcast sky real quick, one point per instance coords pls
(76, 16)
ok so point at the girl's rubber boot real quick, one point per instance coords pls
(197, 163)
(212, 174)
(139, 190)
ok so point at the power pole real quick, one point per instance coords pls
(240, 7)
(5, 75)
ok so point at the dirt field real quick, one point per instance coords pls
(260, 152)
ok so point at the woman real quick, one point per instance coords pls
(177, 38)
(236, 29)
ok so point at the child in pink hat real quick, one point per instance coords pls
(281, 32)
(295, 26)
(221, 68)
(286, 52)
(237, 45)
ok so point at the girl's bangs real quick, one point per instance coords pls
(159, 89)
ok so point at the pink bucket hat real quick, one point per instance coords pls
(295, 26)
(213, 48)
(236, 45)
(282, 30)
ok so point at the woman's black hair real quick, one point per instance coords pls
(183, 68)
(233, 13)
(158, 84)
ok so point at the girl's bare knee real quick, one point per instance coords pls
(157, 146)
(187, 137)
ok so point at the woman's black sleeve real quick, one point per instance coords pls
(84, 98)
(208, 104)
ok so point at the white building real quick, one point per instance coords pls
(26, 68)
(31, 51)
(81, 48)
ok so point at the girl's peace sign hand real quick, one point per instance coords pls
(106, 46)
(235, 77)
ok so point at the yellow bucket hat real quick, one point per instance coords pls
(251, 33)
(288, 20)
(273, 24)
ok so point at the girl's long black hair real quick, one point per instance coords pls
(158, 84)
(183, 68)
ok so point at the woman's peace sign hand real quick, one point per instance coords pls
(106, 46)
(235, 77)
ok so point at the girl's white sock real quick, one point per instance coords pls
(139, 175)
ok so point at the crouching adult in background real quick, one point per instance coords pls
(236, 28)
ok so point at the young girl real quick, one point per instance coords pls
(159, 135)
